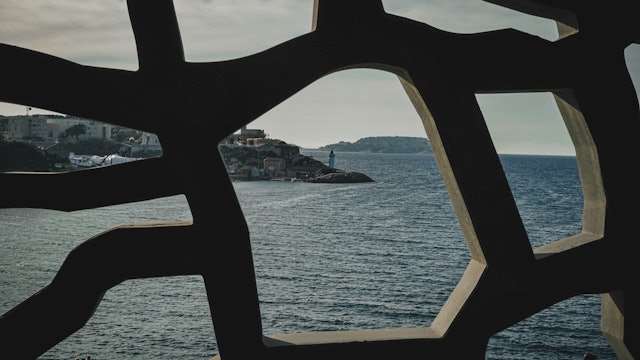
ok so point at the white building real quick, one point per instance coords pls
(50, 127)
(149, 139)
(95, 160)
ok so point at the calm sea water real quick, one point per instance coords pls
(327, 257)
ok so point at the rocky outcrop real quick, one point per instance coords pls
(341, 177)
(239, 156)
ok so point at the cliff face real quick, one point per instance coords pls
(383, 144)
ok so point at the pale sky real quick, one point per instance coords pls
(98, 33)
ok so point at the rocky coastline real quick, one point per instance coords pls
(246, 163)
(341, 177)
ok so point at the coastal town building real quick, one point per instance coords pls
(274, 166)
(50, 133)
(148, 138)
(261, 158)
(50, 127)
(252, 137)
(247, 137)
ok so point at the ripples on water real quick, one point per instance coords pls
(327, 257)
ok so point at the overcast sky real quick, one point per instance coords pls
(98, 33)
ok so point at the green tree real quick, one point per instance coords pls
(121, 134)
(75, 131)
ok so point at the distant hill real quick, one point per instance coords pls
(383, 144)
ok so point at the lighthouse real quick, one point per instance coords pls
(332, 160)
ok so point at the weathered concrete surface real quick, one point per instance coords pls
(506, 280)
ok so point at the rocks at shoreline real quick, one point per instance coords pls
(341, 177)
(245, 162)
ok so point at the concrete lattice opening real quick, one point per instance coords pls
(353, 285)
(45, 141)
(561, 192)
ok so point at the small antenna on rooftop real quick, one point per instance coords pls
(28, 109)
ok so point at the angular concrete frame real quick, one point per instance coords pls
(506, 280)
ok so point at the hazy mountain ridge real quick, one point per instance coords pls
(383, 144)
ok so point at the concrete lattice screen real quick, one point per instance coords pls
(506, 280)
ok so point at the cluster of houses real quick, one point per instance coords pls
(283, 162)
(45, 131)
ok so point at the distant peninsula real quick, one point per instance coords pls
(383, 144)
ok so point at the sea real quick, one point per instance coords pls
(327, 257)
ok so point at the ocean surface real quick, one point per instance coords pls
(327, 257)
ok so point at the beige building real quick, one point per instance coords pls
(50, 127)
(274, 166)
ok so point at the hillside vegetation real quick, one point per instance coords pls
(383, 144)
(17, 156)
